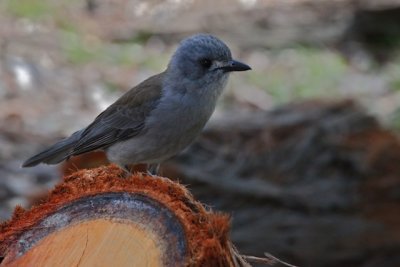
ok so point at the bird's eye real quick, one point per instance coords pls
(205, 62)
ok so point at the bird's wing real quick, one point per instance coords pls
(123, 119)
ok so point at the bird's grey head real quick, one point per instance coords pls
(203, 59)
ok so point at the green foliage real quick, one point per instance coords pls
(395, 84)
(393, 73)
(394, 120)
(157, 63)
(78, 51)
(111, 87)
(32, 9)
(140, 37)
(123, 54)
(301, 73)
(65, 25)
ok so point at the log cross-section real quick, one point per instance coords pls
(101, 217)
(119, 224)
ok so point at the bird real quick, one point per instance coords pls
(159, 117)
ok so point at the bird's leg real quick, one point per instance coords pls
(152, 169)
(127, 171)
(126, 168)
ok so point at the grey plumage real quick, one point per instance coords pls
(159, 117)
(56, 153)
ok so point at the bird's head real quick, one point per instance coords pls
(203, 59)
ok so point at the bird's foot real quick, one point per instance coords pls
(152, 169)
(126, 171)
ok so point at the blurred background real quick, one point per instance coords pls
(302, 151)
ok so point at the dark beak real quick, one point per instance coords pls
(234, 65)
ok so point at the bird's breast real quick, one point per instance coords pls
(180, 117)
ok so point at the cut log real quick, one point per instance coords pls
(99, 217)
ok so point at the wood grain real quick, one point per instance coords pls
(95, 243)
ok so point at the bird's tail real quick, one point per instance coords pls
(56, 153)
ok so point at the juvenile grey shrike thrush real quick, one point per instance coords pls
(159, 117)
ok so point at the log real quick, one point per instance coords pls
(99, 217)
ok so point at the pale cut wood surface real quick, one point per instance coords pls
(97, 243)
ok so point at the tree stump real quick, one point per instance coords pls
(99, 217)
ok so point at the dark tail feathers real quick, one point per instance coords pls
(56, 153)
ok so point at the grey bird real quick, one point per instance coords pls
(159, 117)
